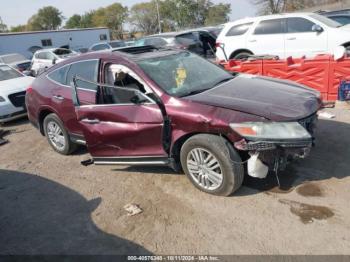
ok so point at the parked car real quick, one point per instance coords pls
(13, 85)
(45, 58)
(213, 30)
(109, 45)
(295, 34)
(144, 106)
(17, 61)
(198, 41)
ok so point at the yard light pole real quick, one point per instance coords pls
(159, 25)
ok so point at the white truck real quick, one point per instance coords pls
(26, 43)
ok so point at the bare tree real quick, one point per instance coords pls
(3, 27)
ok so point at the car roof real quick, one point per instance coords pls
(267, 17)
(50, 49)
(127, 53)
(174, 34)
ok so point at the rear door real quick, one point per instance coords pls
(268, 38)
(62, 93)
(301, 40)
(126, 127)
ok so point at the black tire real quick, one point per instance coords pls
(242, 55)
(229, 160)
(69, 146)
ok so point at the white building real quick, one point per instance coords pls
(25, 42)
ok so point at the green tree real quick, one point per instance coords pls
(74, 22)
(19, 28)
(47, 18)
(113, 17)
(144, 17)
(218, 14)
(86, 20)
(3, 27)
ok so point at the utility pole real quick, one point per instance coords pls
(159, 24)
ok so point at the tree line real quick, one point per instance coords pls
(283, 6)
(173, 15)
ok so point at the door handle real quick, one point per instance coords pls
(252, 41)
(292, 38)
(90, 121)
(58, 97)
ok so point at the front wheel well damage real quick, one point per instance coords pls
(176, 148)
(43, 113)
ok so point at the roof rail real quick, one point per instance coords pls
(136, 49)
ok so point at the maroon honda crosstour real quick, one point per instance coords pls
(149, 106)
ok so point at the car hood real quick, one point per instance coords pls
(274, 99)
(15, 85)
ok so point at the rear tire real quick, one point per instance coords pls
(57, 136)
(217, 170)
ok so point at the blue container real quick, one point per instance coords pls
(344, 91)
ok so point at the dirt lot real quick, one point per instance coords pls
(50, 204)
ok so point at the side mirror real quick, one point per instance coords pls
(54, 61)
(317, 28)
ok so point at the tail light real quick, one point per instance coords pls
(218, 44)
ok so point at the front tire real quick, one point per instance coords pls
(57, 135)
(212, 164)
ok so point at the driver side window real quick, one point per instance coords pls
(123, 86)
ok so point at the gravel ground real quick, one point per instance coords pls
(51, 204)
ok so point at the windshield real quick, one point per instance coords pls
(184, 73)
(7, 73)
(326, 20)
(9, 59)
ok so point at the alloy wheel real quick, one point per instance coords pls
(56, 135)
(204, 169)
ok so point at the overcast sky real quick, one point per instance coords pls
(14, 12)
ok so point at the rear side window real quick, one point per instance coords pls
(299, 25)
(186, 39)
(238, 29)
(269, 27)
(59, 75)
(87, 70)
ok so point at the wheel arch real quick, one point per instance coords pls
(44, 112)
(347, 44)
(236, 52)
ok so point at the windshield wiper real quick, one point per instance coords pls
(222, 81)
(195, 92)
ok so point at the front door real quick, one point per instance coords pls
(125, 127)
(302, 40)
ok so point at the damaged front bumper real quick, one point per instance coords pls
(275, 155)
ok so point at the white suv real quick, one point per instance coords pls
(45, 58)
(295, 34)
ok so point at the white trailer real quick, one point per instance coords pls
(25, 42)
